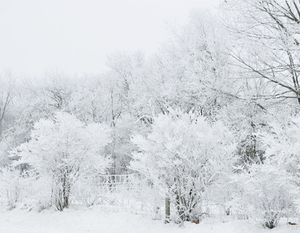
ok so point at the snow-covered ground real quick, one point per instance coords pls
(96, 220)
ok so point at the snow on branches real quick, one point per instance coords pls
(183, 155)
(63, 149)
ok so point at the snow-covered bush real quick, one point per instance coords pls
(10, 186)
(24, 188)
(270, 189)
(183, 155)
(266, 192)
(283, 147)
(63, 149)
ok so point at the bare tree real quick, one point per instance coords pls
(6, 88)
(267, 45)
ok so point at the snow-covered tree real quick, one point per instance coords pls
(183, 155)
(270, 187)
(266, 35)
(191, 68)
(63, 149)
(283, 148)
(245, 119)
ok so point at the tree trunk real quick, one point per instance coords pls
(66, 191)
(61, 193)
(167, 210)
(1, 129)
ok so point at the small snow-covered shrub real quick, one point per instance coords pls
(265, 193)
(25, 189)
(10, 186)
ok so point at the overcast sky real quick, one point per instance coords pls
(76, 35)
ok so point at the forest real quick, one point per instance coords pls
(210, 121)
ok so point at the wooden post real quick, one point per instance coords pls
(167, 210)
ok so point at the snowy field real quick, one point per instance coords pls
(79, 220)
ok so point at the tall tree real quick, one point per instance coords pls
(192, 66)
(6, 96)
(266, 33)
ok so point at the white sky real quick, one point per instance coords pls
(76, 35)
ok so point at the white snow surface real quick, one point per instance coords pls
(95, 220)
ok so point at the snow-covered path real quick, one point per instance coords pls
(97, 221)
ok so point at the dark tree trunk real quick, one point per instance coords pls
(167, 210)
(61, 193)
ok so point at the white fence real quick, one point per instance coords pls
(113, 193)
(116, 192)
